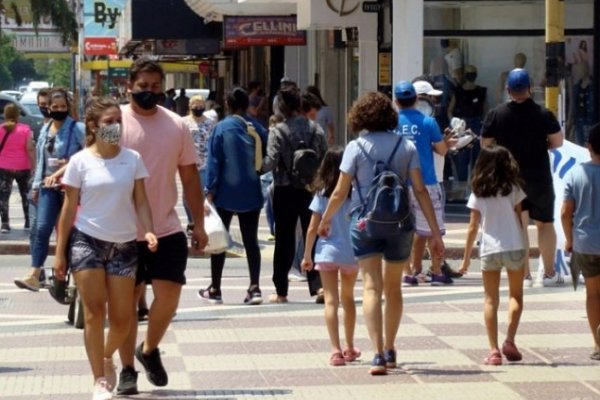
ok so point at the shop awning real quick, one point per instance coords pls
(213, 10)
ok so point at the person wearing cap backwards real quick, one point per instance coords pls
(529, 130)
(425, 133)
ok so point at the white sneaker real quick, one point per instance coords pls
(295, 276)
(101, 391)
(554, 280)
(110, 372)
(528, 281)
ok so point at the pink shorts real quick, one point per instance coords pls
(343, 268)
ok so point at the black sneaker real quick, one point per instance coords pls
(155, 372)
(448, 271)
(127, 381)
(253, 296)
(210, 294)
(5, 228)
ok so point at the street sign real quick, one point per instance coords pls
(371, 6)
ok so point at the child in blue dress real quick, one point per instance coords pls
(333, 257)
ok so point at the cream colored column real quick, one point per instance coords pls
(407, 47)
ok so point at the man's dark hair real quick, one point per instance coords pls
(237, 100)
(310, 101)
(42, 93)
(289, 100)
(594, 139)
(407, 103)
(144, 64)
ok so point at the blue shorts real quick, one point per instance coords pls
(394, 248)
(87, 252)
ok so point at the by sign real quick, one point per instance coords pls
(101, 17)
(262, 31)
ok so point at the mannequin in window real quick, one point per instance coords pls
(581, 115)
(470, 104)
(502, 96)
(446, 73)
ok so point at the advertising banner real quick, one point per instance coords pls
(101, 17)
(562, 160)
(262, 31)
(99, 46)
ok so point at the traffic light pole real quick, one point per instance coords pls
(555, 51)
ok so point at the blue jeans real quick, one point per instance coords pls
(48, 209)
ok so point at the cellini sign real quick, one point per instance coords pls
(342, 8)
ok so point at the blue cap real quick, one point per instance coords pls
(518, 79)
(404, 90)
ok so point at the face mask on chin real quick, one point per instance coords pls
(145, 99)
(110, 134)
(425, 107)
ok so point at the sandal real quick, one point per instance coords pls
(511, 352)
(337, 359)
(495, 358)
(274, 298)
(595, 355)
(351, 354)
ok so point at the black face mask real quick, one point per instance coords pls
(45, 112)
(197, 112)
(471, 76)
(145, 99)
(59, 115)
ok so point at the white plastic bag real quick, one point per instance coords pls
(218, 237)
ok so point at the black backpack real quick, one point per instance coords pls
(305, 160)
(385, 210)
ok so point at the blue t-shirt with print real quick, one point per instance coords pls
(336, 247)
(582, 185)
(424, 132)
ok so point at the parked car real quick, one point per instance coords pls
(35, 122)
(14, 93)
(29, 101)
(35, 86)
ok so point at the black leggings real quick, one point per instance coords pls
(7, 176)
(289, 204)
(249, 227)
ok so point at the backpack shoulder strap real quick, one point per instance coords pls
(365, 153)
(391, 157)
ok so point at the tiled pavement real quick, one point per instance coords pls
(281, 351)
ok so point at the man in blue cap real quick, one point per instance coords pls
(425, 133)
(529, 130)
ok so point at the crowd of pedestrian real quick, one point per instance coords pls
(373, 206)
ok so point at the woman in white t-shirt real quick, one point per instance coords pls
(495, 204)
(107, 182)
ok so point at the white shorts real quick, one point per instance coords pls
(437, 200)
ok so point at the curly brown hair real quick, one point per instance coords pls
(372, 111)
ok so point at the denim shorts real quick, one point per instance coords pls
(588, 263)
(394, 248)
(86, 252)
(513, 260)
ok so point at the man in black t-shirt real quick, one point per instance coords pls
(529, 131)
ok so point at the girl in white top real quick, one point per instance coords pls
(495, 204)
(101, 250)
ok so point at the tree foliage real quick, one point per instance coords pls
(59, 11)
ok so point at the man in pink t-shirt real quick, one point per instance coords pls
(166, 146)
